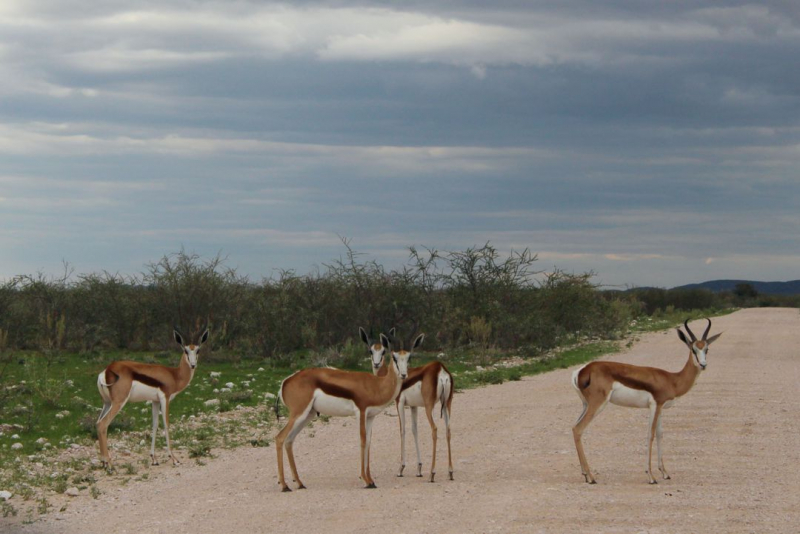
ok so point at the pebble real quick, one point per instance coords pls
(212, 402)
(5, 495)
(16, 446)
(75, 446)
(73, 492)
(15, 436)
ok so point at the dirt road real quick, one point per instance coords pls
(731, 446)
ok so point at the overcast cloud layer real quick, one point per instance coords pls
(653, 143)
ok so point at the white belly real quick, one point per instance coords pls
(336, 406)
(413, 395)
(142, 393)
(629, 397)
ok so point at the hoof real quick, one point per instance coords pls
(286, 489)
(667, 477)
(654, 482)
(432, 478)
(370, 486)
(400, 475)
(451, 476)
(301, 487)
(419, 475)
(592, 481)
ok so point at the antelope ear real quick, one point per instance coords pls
(713, 338)
(204, 337)
(363, 335)
(177, 336)
(384, 341)
(418, 341)
(683, 338)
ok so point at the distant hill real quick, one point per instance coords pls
(791, 287)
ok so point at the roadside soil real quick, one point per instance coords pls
(731, 447)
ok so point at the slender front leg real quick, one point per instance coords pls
(364, 451)
(164, 400)
(156, 409)
(369, 422)
(401, 417)
(655, 413)
(416, 438)
(659, 433)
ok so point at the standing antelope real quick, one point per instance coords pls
(636, 386)
(334, 392)
(124, 381)
(423, 388)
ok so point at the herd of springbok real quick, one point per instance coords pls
(310, 393)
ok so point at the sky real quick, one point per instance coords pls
(652, 143)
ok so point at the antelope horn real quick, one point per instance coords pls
(708, 329)
(688, 331)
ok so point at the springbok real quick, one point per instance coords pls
(634, 386)
(124, 381)
(328, 391)
(423, 388)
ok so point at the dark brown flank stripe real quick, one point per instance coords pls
(147, 380)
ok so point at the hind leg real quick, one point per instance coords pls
(434, 431)
(299, 425)
(102, 431)
(446, 413)
(592, 406)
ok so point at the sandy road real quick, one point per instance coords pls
(731, 446)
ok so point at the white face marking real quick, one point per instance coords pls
(700, 354)
(401, 362)
(377, 352)
(191, 353)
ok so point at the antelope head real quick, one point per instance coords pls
(698, 347)
(377, 349)
(402, 357)
(190, 350)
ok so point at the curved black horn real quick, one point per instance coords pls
(688, 331)
(708, 329)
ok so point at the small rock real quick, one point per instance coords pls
(261, 369)
(269, 395)
(16, 446)
(215, 374)
(73, 492)
(15, 436)
(225, 390)
(75, 446)
(5, 495)
(212, 402)
(41, 441)
(229, 385)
